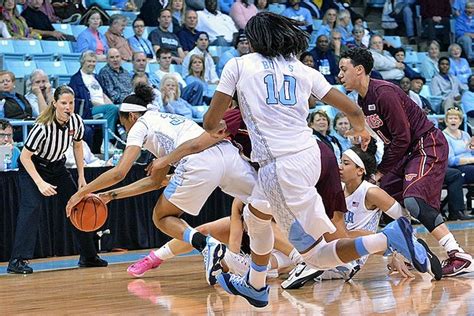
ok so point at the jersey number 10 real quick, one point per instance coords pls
(287, 93)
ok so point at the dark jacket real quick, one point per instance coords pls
(150, 11)
(318, 57)
(13, 110)
(82, 97)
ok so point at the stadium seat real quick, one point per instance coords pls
(375, 3)
(153, 67)
(63, 28)
(99, 66)
(30, 48)
(127, 66)
(425, 91)
(128, 32)
(103, 28)
(56, 47)
(217, 51)
(64, 80)
(72, 66)
(77, 29)
(394, 40)
(20, 68)
(6, 46)
(411, 58)
(54, 68)
(317, 24)
(276, 8)
(176, 68)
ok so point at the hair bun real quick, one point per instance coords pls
(144, 92)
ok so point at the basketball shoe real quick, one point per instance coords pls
(400, 237)
(213, 254)
(238, 285)
(457, 263)
(143, 265)
(300, 274)
(237, 263)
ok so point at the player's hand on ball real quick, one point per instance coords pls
(219, 131)
(47, 189)
(362, 138)
(76, 198)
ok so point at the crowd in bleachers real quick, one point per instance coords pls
(102, 49)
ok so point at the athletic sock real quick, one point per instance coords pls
(195, 238)
(257, 276)
(295, 257)
(371, 244)
(164, 253)
(449, 243)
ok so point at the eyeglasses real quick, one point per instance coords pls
(137, 26)
(5, 135)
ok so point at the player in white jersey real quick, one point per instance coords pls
(273, 89)
(195, 178)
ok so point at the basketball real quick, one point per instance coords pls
(89, 214)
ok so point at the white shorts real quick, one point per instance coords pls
(198, 175)
(288, 184)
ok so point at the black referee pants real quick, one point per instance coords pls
(28, 219)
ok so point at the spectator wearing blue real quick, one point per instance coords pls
(172, 101)
(241, 47)
(459, 66)
(416, 86)
(162, 38)
(202, 43)
(92, 39)
(464, 30)
(114, 79)
(358, 33)
(324, 59)
(188, 34)
(137, 42)
(467, 99)
(404, 11)
(458, 6)
(218, 25)
(262, 5)
(89, 95)
(177, 8)
(344, 26)
(329, 23)
(139, 62)
(196, 71)
(429, 65)
(341, 125)
(399, 54)
(302, 15)
(225, 5)
(6, 138)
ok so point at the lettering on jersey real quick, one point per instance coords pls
(349, 217)
(267, 64)
(409, 177)
(291, 68)
(374, 121)
(371, 107)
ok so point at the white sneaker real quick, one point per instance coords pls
(237, 263)
(301, 274)
(213, 254)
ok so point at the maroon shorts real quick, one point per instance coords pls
(421, 172)
(329, 183)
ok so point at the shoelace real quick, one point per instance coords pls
(237, 280)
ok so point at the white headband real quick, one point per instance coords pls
(130, 107)
(355, 158)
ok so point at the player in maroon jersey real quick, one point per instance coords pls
(415, 154)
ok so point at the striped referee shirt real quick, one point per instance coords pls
(51, 141)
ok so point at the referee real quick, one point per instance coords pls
(43, 173)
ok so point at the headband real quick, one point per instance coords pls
(355, 158)
(130, 107)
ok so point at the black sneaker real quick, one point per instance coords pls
(19, 266)
(92, 262)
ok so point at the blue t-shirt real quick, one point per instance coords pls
(302, 14)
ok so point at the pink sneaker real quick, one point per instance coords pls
(143, 265)
(457, 263)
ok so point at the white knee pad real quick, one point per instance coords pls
(260, 232)
(323, 256)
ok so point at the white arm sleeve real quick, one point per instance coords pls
(396, 211)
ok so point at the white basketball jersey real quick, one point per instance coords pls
(273, 98)
(161, 133)
(357, 215)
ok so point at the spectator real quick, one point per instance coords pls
(320, 123)
(6, 139)
(4, 29)
(429, 66)
(341, 126)
(39, 92)
(192, 93)
(210, 75)
(461, 145)
(90, 97)
(138, 43)
(302, 15)
(219, 26)
(197, 4)
(40, 23)
(196, 75)
(344, 26)
(68, 11)
(446, 85)
(241, 11)
(464, 30)
(417, 83)
(404, 11)
(307, 59)
(329, 23)
(399, 54)
(241, 47)
(262, 5)
(115, 37)
(357, 20)
(324, 59)
(140, 62)
(48, 9)
(115, 80)
(92, 39)
(458, 7)
(150, 11)
(141, 78)
(224, 5)
(358, 36)
(459, 66)
(188, 34)
(435, 17)
(389, 68)
(467, 100)
(405, 85)
(335, 42)
(162, 38)
(177, 8)
(172, 102)
(16, 105)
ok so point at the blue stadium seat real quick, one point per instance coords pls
(317, 24)
(127, 66)
(77, 29)
(56, 47)
(71, 56)
(28, 47)
(394, 40)
(64, 79)
(128, 32)
(411, 58)
(20, 68)
(276, 8)
(376, 3)
(99, 66)
(425, 91)
(54, 68)
(72, 66)
(63, 28)
(176, 68)
(217, 51)
(6, 46)
(153, 67)
(103, 28)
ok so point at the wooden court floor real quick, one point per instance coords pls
(178, 287)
